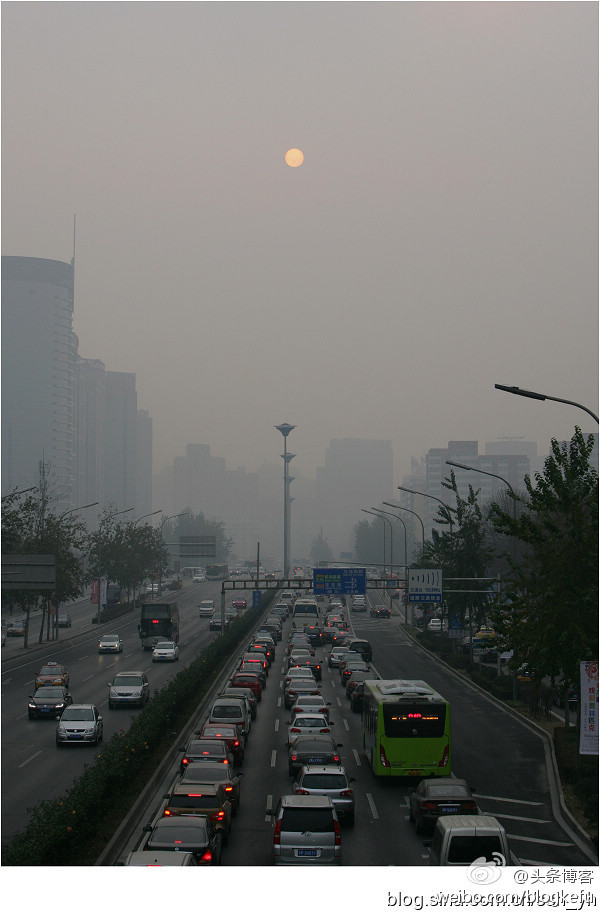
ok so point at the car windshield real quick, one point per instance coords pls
(314, 820)
(305, 720)
(50, 670)
(165, 645)
(446, 791)
(110, 638)
(324, 781)
(306, 743)
(77, 713)
(126, 678)
(182, 835)
(197, 802)
(227, 711)
(219, 732)
(203, 771)
(47, 694)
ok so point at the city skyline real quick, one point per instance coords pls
(439, 237)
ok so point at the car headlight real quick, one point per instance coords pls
(62, 730)
(32, 705)
(60, 706)
(137, 693)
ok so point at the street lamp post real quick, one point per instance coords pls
(100, 525)
(434, 498)
(530, 394)
(414, 513)
(372, 512)
(285, 429)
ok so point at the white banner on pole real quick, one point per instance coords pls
(588, 738)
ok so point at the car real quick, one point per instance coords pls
(15, 629)
(486, 631)
(232, 712)
(128, 689)
(215, 623)
(312, 749)
(380, 611)
(298, 672)
(153, 588)
(158, 858)
(360, 606)
(52, 674)
(300, 660)
(247, 694)
(311, 703)
(440, 796)
(239, 603)
(225, 774)
(49, 701)
(434, 625)
(351, 667)
(307, 831)
(313, 632)
(64, 620)
(210, 751)
(199, 578)
(79, 723)
(257, 655)
(110, 643)
(298, 687)
(206, 609)
(209, 799)
(333, 660)
(229, 734)
(356, 697)
(362, 646)
(465, 839)
(273, 630)
(328, 633)
(308, 724)
(298, 639)
(165, 651)
(247, 679)
(356, 677)
(256, 668)
(267, 647)
(332, 781)
(194, 834)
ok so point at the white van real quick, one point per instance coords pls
(306, 613)
(462, 839)
(206, 609)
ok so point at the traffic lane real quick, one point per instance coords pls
(500, 755)
(33, 769)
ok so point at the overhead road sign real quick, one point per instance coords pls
(425, 585)
(28, 572)
(197, 547)
(339, 581)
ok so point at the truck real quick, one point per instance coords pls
(158, 621)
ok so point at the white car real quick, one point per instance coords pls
(165, 651)
(110, 643)
(309, 724)
(206, 609)
(199, 578)
(435, 626)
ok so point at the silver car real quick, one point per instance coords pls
(307, 831)
(80, 723)
(110, 643)
(165, 651)
(129, 689)
(332, 781)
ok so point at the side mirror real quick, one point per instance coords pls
(99, 719)
(109, 684)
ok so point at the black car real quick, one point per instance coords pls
(49, 701)
(312, 749)
(356, 697)
(380, 611)
(187, 834)
(313, 633)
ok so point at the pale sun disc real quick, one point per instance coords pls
(294, 157)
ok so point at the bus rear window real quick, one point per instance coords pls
(155, 611)
(408, 720)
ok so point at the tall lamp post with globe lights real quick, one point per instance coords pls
(285, 429)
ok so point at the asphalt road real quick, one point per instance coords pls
(503, 757)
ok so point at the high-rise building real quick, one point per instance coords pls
(120, 442)
(91, 407)
(39, 360)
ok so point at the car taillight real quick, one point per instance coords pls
(295, 729)
(324, 730)
(166, 813)
(301, 792)
(228, 789)
(207, 858)
(277, 833)
(236, 744)
(347, 793)
(445, 757)
(428, 806)
(336, 758)
(218, 816)
(383, 757)
(469, 806)
(184, 761)
(338, 836)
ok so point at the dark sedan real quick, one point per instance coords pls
(380, 611)
(436, 797)
(312, 749)
(193, 834)
(49, 702)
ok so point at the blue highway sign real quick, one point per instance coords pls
(339, 581)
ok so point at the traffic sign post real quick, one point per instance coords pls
(425, 585)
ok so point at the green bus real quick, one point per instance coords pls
(406, 729)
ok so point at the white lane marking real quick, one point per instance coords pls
(372, 805)
(30, 759)
(273, 757)
(7, 681)
(88, 677)
(518, 818)
(279, 702)
(503, 799)
(276, 725)
(356, 757)
(537, 840)
(81, 658)
(339, 701)
(345, 722)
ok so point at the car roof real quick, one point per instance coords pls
(323, 769)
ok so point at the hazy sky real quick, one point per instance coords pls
(441, 235)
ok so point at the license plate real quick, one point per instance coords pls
(414, 773)
(307, 852)
(314, 760)
(45, 710)
(449, 809)
(75, 736)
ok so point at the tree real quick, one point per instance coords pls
(126, 553)
(30, 528)
(461, 552)
(320, 549)
(549, 610)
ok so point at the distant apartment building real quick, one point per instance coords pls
(91, 405)
(358, 473)
(39, 358)
(120, 442)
